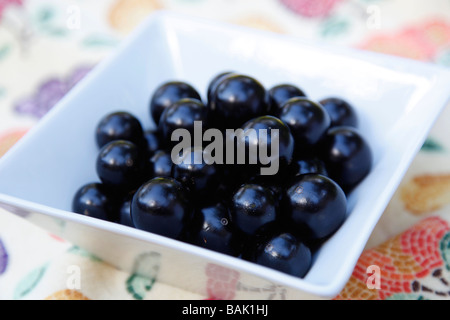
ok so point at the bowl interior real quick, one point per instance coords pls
(58, 156)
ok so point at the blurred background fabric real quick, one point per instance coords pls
(47, 46)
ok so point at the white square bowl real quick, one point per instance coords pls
(397, 100)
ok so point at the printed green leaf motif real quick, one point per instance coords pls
(29, 282)
(444, 247)
(431, 145)
(145, 271)
(100, 41)
(4, 51)
(334, 26)
(81, 252)
(45, 20)
(138, 285)
(444, 59)
(45, 14)
(406, 296)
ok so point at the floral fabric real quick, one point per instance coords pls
(47, 46)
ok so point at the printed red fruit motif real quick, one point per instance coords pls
(404, 262)
(221, 283)
(311, 8)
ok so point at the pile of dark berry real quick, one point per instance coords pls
(273, 220)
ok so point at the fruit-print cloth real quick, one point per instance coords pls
(46, 46)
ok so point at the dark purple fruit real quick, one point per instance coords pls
(125, 211)
(278, 95)
(169, 93)
(119, 125)
(347, 155)
(253, 206)
(213, 229)
(308, 122)
(160, 164)
(237, 99)
(152, 142)
(120, 165)
(215, 82)
(194, 172)
(259, 151)
(283, 252)
(306, 165)
(182, 115)
(161, 206)
(316, 205)
(341, 112)
(94, 200)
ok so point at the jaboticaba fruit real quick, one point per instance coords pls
(316, 205)
(167, 94)
(236, 99)
(347, 155)
(161, 206)
(308, 122)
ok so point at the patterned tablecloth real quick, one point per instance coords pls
(46, 46)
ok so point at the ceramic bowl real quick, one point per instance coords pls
(397, 101)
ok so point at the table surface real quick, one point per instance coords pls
(410, 244)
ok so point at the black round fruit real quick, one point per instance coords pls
(341, 112)
(162, 207)
(196, 174)
(237, 99)
(278, 95)
(316, 205)
(160, 164)
(120, 165)
(215, 82)
(182, 115)
(212, 228)
(347, 155)
(307, 120)
(125, 211)
(306, 165)
(169, 93)
(119, 125)
(283, 252)
(94, 200)
(276, 149)
(253, 206)
(152, 142)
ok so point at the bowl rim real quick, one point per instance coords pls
(330, 289)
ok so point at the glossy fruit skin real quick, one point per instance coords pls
(125, 211)
(94, 200)
(212, 228)
(347, 155)
(316, 205)
(285, 141)
(120, 165)
(118, 125)
(278, 95)
(253, 206)
(196, 175)
(341, 112)
(160, 164)
(167, 94)
(306, 165)
(152, 142)
(182, 115)
(215, 82)
(237, 99)
(275, 185)
(307, 120)
(284, 252)
(161, 206)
